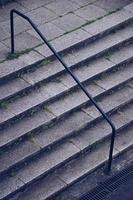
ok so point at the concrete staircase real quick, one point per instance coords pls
(51, 136)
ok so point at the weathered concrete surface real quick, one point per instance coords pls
(53, 17)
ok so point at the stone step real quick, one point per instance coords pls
(79, 187)
(78, 57)
(21, 86)
(70, 149)
(53, 90)
(50, 133)
(22, 151)
(76, 170)
(95, 30)
(79, 168)
(59, 108)
(12, 68)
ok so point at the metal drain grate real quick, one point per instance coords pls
(102, 191)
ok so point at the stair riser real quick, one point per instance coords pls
(63, 163)
(27, 161)
(102, 164)
(31, 88)
(65, 114)
(51, 58)
(50, 100)
(17, 73)
(62, 139)
(92, 39)
(91, 58)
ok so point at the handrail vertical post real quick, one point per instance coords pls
(12, 31)
(111, 151)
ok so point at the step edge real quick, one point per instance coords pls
(67, 112)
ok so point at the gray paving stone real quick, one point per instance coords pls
(16, 154)
(121, 119)
(21, 25)
(33, 4)
(47, 161)
(121, 55)
(69, 22)
(66, 104)
(42, 190)
(11, 66)
(8, 185)
(129, 7)
(95, 47)
(25, 103)
(3, 33)
(126, 139)
(5, 10)
(93, 68)
(64, 42)
(5, 115)
(43, 72)
(84, 164)
(70, 39)
(110, 101)
(53, 88)
(71, 101)
(90, 136)
(118, 77)
(49, 30)
(1, 19)
(125, 34)
(109, 41)
(62, 7)
(4, 50)
(113, 5)
(83, 2)
(41, 15)
(23, 41)
(90, 12)
(130, 84)
(11, 87)
(87, 71)
(25, 126)
(31, 58)
(107, 22)
(129, 112)
(64, 127)
(44, 50)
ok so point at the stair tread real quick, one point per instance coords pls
(12, 87)
(107, 22)
(101, 129)
(59, 42)
(105, 82)
(50, 112)
(24, 126)
(49, 161)
(35, 168)
(88, 70)
(42, 95)
(80, 167)
(75, 170)
(51, 135)
(77, 56)
(9, 67)
(64, 128)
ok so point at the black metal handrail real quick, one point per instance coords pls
(71, 73)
